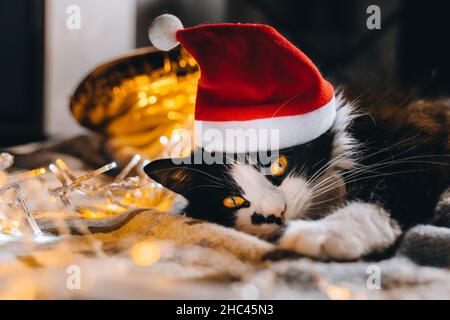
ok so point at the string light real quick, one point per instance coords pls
(145, 253)
(133, 163)
(333, 291)
(27, 175)
(23, 204)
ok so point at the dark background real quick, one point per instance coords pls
(412, 49)
(21, 71)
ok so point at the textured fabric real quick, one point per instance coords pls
(199, 260)
(427, 245)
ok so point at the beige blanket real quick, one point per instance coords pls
(145, 254)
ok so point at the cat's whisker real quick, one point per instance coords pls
(354, 175)
(228, 177)
(390, 147)
(363, 178)
(337, 184)
(192, 169)
(324, 168)
(324, 181)
(202, 186)
(387, 174)
(369, 169)
(403, 160)
(315, 204)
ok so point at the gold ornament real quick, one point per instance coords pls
(139, 103)
(143, 105)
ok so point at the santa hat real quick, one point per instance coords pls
(252, 80)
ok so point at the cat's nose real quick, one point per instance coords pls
(280, 211)
(276, 210)
(276, 216)
(258, 219)
(273, 204)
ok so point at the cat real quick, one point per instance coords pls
(379, 170)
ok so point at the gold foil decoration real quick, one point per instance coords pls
(140, 103)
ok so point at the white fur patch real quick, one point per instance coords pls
(344, 144)
(349, 233)
(289, 201)
(297, 196)
(264, 198)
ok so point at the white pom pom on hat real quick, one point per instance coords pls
(162, 32)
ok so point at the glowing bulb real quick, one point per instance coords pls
(173, 115)
(142, 103)
(9, 227)
(180, 99)
(152, 99)
(112, 207)
(28, 174)
(167, 65)
(169, 103)
(164, 140)
(142, 95)
(145, 253)
(338, 293)
(192, 62)
(176, 137)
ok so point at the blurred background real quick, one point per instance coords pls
(42, 59)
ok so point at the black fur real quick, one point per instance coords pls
(407, 145)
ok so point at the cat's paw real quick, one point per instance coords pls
(350, 233)
(316, 240)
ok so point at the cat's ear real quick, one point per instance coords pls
(174, 174)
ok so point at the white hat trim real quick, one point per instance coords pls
(262, 135)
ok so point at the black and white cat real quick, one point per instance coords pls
(351, 192)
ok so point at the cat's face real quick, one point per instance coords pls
(256, 198)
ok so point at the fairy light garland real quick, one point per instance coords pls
(109, 197)
(99, 199)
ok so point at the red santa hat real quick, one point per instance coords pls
(252, 80)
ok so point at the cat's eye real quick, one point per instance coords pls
(278, 167)
(232, 202)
